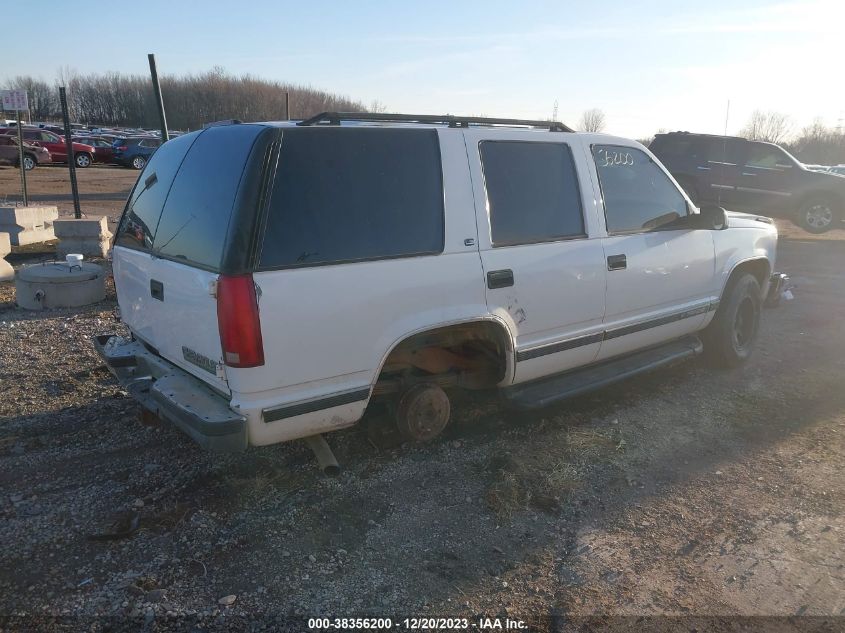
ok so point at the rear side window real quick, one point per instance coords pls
(638, 196)
(672, 146)
(143, 210)
(196, 215)
(354, 194)
(532, 192)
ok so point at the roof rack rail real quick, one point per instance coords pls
(334, 118)
(223, 122)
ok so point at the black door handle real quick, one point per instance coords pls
(617, 262)
(499, 278)
(156, 290)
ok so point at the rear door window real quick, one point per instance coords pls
(143, 210)
(532, 192)
(196, 215)
(354, 194)
(638, 195)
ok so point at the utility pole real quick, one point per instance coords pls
(287, 105)
(159, 103)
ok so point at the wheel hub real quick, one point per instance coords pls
(423, 412)
(744, 324)
(819, 216)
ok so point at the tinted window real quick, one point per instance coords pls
(765, 156)
(532, 192)
(348, 194)
(637, 195)
(137, 228)
(196, 215)
(672, 146)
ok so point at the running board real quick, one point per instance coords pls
(545, 391)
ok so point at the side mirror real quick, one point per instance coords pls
(712, 218)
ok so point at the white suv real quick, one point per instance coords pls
(279, 277)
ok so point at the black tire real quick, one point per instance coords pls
(819, 214)
(138, 162)
(730, 337)
(29, 162)
(83, 160)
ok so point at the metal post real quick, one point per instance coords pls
(159, 102)
(71, 159)
(20, 160)
(287, 105)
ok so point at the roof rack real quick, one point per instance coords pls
(334, 118)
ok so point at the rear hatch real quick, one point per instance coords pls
(190, 217)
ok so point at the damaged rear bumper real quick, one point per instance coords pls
(173, 394)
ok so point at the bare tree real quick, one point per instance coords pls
(772, 127)
(593, 120)
(819, 145)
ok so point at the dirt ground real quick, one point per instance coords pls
(664, 501)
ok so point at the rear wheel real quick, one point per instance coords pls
(730, 337)
(82, 160)
(139, 162)
(29, 162)
(818, 215)
(423, 412)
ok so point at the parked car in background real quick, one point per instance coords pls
(55, 144)
(753, 176)
(33, 155)
(135, 151)
(102, 147)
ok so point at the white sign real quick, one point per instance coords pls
(15, 100)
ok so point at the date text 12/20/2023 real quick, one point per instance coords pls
(381, 624)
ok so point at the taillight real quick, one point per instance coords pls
(122, 148)
(237, 318)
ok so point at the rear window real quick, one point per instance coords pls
(354, 194)
(196, 215)
(138, 226)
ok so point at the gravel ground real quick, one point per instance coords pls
(686, 493)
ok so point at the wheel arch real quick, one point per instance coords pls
(759, 267)
(494, 323)
(837, 196)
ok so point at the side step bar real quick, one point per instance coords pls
(546, 391)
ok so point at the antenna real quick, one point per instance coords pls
(724, 148)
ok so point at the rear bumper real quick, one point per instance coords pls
(173, 394)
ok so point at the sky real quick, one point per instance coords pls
(648, 65)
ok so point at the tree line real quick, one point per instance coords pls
(117, 99)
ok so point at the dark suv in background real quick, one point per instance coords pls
(753, 176)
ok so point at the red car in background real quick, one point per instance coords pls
(55, 144)
(102, 147)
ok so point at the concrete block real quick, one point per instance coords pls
(5, 245)
(94, 247)
(28, 225)
(88, 236)
(97, 228)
